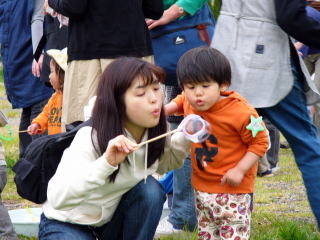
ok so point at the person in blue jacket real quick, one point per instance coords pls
(23, 89)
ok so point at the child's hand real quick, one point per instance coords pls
(33, 129)
(170, 108)
(233, 177)
(118, 149)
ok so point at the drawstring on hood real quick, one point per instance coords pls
(134, 161)
(145, 163)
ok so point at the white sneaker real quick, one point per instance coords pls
(165, 228)
(275, 169)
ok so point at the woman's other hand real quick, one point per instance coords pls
(118, 149)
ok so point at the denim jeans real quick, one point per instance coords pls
(136, 218)
(183, 212)
(292, 118)
(6, 228)
(27, 115)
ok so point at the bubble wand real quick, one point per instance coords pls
(195, 128)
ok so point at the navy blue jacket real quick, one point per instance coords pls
(23, 89)
(315, 14)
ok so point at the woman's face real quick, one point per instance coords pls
(143, 105)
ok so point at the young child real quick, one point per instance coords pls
(225, 165)
(110, 190)
(50, 117)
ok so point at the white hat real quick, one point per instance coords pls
(60, 56)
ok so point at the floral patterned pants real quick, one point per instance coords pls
(223, 216)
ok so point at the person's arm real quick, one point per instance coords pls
(152, 9)
(292, 17)
(42, 118)
(257, 147)
(176, 11)
(298, 46)
(86, 170)
(170, 108)
(176, 150)
(234, 176)
(69, 8)
(37, 23)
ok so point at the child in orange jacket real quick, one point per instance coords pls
(225, 165)
(50, 117)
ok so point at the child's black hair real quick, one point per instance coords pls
(203, 64)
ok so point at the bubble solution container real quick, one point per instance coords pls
(26, 221)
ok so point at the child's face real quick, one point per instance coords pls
(202, 96)
(143, 105)
(54, 80)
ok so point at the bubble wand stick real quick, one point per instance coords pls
(193, 127)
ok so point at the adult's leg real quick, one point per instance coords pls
(273, 152)
(315, 61)
(292, 118)
(80, 85)
(138, 213)
(6, 228)
(54, 230)
(24, 138)
(183, 213)
(264, 166)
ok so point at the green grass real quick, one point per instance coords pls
(1, 71)
(281, 210)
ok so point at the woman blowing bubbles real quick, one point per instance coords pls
(99, 189)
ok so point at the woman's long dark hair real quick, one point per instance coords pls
(109, 111)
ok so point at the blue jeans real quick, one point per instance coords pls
(183, 212)
(292, 118)
(136, 218)
(27, 115)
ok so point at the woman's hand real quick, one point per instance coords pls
(33, 129)
(169, 15)
(233, 177)
(118, 149)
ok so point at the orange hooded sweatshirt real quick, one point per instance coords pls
(229, 141)
(50, 117)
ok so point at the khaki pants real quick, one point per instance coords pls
(81, 81)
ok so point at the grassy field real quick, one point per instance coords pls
(281, 210)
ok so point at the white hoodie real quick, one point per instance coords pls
(80, 191)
